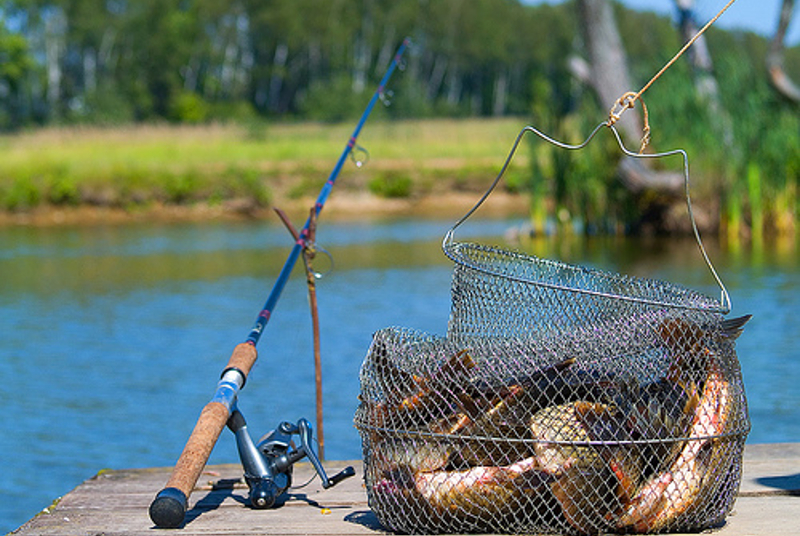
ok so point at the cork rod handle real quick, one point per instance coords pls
(168, 509)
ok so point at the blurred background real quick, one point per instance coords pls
(144, 144)
(83, 64)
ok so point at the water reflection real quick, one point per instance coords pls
(114, 337)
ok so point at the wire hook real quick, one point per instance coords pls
(314, 249)
(386, 97)
(359, 160)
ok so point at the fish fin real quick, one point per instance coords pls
(733, 326)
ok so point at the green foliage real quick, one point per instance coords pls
(63, 189)
(16, 65)
(15, 60)
(391, 185)
(332, 101)
(188, 108)
(239, 182)
(237, 111)
(179, 187)
(306, 186)
(21, 194)
(105, 107)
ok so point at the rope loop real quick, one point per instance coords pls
(625, 102)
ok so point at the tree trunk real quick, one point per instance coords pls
(437, 76)
(363, 53)
(703, 69)
(608, 74)
(89, 70)
(454, 86)
(608, 63)
(276, 80)
(55, 28)
(500, 93)
(780, 80)
(698, 53)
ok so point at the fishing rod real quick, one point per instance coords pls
(168, 509)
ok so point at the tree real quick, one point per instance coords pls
(777, 74)
(703, 69)
(15, 66)
(608, 62)
(608, 75)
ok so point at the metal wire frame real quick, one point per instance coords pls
(451, 251)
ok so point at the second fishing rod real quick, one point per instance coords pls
(168, 509)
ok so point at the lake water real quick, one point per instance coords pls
(113, 338)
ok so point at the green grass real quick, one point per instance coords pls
(264, 163)
(185, 164)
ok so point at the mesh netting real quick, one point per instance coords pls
(561, 400)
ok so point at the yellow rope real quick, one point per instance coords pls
(628, 100)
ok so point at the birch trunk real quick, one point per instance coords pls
(698, 53)
(500, 93)
(608, 62)
(780, 80)
(55, 27)
(276, 80)
(608, 75)
(703, 70)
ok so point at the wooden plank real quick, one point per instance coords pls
(771, 469)
(115, 503)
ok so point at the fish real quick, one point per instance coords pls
(483, 492)
(559, 433)
(654, 414)
(514, 402)
(474, 498)
(689, 340)
(667, 495)
(604, 451)
(418, 400)
(413, 455)
(489, 415)
(690, 337)
(590, 494)
(597, 475)
(684, 484)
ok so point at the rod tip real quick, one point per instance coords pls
(168, 509)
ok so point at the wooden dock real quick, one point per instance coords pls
(116, 503)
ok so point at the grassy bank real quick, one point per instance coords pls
(206, 171)
(137, 166)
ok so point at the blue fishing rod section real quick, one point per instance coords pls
(168, 509)
(283, 277)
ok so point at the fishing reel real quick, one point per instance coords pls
(268, 464)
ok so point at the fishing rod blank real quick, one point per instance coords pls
(168, 509)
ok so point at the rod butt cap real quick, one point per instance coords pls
(168, 509)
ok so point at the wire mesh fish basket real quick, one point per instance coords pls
(562, 399)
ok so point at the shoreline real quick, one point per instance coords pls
(344, 207)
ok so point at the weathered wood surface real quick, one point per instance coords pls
(116, 503)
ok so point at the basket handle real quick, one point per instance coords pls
(448, 241)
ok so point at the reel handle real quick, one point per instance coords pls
(168, 509)
(347, 472)
(306, 433)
